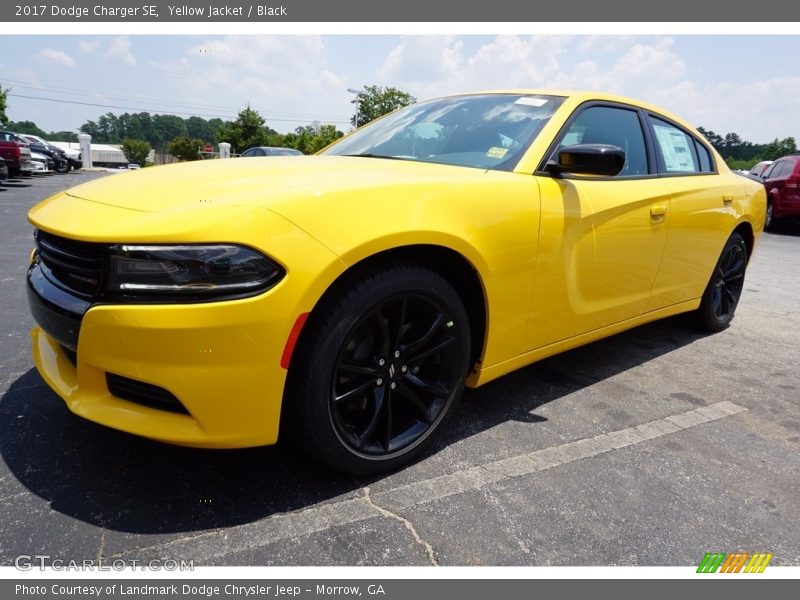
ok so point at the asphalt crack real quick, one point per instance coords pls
(408, 524)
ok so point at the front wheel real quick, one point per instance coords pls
(380, 365)
(723, 291)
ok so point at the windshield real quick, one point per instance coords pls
(489, 131)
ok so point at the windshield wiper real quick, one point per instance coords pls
(371, 155)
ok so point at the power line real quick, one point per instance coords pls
(80, 92)
(229, 117)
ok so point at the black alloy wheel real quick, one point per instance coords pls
(378, 368)
(396, 372)
(724, 290)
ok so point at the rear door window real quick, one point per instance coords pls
(675, 148)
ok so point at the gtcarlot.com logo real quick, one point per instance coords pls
(27, 562)
(737, 562)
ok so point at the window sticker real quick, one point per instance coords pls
(496, 152)
(529, 101)
(675, 148)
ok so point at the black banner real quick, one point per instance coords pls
(394, 589)
(463, 11)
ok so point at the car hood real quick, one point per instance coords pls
(268, 182)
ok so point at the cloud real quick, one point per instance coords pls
(649, 68)
(425, 58)
(119, 51)
(88, 47)
(287, 78)
(508, 61)
(59, 57)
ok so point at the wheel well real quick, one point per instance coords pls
(746, 231)
(450, 265)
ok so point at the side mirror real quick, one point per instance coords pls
(589, 159)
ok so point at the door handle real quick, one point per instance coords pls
(658, 211)
(727, 198)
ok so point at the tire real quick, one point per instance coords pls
(724, 289)
(769, 222)
(379, 367)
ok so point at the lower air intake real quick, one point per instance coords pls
(143, 393)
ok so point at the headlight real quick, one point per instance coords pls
(189, 272)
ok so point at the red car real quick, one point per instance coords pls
(782, 181)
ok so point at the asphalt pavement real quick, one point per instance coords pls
(652, 447)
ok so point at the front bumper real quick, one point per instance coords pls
(220, 360)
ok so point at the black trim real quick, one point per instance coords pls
(57, 312)
(653, 154)
(541, 169)
(146, 394)
(697, 140)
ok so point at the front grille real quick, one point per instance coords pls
(143, 393)
(77, 266)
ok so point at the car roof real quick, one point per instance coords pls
(578, 97)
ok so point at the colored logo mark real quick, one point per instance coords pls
(736, 562)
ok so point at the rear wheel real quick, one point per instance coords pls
(769, 222)
(380, 366)
(722, 294)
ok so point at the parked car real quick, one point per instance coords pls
(73, 155)
(358, 291)
(16, 153)
(759, 168)
(37, 144)
(42, 163)
(270, 151)
(782, 181)
(133, 166)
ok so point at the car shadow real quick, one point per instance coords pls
(130, 484)
(16, 183)
(786, 227)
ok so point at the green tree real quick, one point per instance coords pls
(185, 148)
(3, 98)
(62, 136)
(166, 128)
(325, 135)
(136, 151)
(777, 148)
(245, 132)
(375, 101)
(28, 127)
(713, 138)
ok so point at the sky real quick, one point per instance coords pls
(726, 83)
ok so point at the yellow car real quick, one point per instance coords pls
(349, 297)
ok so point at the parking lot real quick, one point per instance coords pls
(649, 448)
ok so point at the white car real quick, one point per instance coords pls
(41, 163)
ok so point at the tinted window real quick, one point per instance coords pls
(779, 169)
(676, 149)
(616, 126)
(705, 157)
(489, 131)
